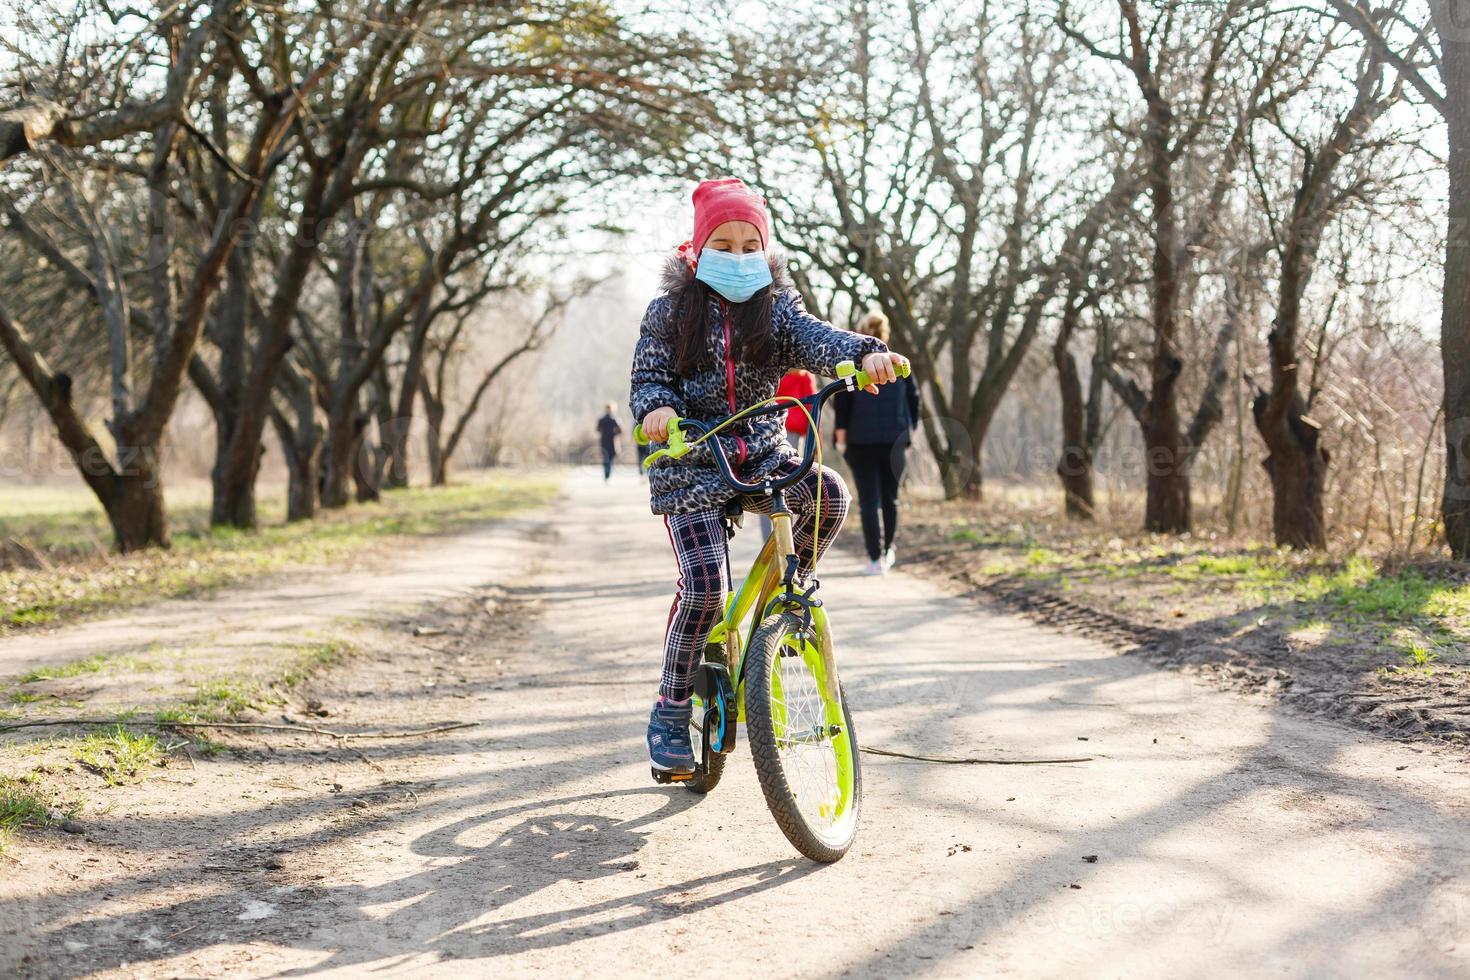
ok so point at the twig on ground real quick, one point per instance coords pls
(309, 729)
(363, 756)
(970, 762)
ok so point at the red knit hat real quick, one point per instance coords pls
(719, 201)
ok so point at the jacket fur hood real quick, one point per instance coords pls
(757, 446)
(677, 274)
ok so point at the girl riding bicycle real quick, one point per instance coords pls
(726, 327)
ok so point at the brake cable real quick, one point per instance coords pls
(816, 459)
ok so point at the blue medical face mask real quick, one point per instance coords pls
(735, 277)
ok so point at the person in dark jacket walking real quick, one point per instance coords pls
(873, 434)
(608, 431)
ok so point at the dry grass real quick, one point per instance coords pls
(1418, 605)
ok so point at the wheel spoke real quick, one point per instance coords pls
(805, 742)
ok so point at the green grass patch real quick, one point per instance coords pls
(119, 756)
(1041, 556)
(1338, 598)
(314, 657)
(76, 668)
(233, 695)
(225, 698)
(31, 616)
(1360, 587)
(178, 715)
(1422, 655)
(1257, 570)
(21, 808)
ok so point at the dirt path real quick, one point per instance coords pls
(1228, 836)
(439, 568)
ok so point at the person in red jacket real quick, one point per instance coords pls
(796, 383)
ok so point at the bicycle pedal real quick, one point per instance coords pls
(664, 778)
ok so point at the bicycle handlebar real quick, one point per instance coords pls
(849, 378)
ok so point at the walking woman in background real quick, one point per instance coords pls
(873, 435)
(608, 431)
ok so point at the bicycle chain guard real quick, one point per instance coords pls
(717, 728)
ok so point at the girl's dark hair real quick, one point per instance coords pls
(751, 322)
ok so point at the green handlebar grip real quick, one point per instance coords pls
(847, 369)
(676, 447)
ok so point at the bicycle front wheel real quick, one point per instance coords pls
(803, 743)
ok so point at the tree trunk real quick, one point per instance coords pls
(301, 445)
(301, 450)
(1298, 461)
(367, 471)
(433, 438)
(1455, 325)
(240, 458)
(301, 485)
(343, 432)
(395, 444)
(1075, 466)
(371, 459)
(1235, 485)
(939, 447)
(135, 506)
(1166, 508)
(973, 485)
(233, 501)
(395, 440)
(1298, 469)
(132, 492)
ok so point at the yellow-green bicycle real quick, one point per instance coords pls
(769, 661)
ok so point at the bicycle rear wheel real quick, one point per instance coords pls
(804, 745)
(703, 782)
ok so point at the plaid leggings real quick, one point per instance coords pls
(699, 547)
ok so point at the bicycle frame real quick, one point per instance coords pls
(764, 589)
(775, 566)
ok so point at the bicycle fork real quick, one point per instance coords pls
(814, 617)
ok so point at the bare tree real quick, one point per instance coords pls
(929, 135)
(1415, 50)
(444, 436)
(1298, 460)
(1185, 63)
(1081, 406)
(129, 484)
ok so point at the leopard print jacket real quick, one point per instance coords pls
(799, 340)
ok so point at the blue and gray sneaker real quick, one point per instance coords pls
(669, 749)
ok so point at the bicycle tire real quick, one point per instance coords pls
(764, 729)
(704, 782)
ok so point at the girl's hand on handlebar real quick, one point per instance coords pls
(882, 368)
(656, 424)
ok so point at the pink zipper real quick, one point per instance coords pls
(740, 448)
